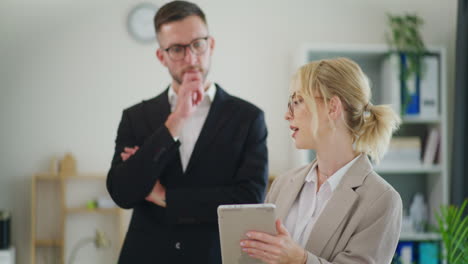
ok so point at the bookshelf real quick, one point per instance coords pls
(418, 120)
(407, 178)
(420, 237)
(413, 169)
(60, 218)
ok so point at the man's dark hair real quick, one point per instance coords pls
(175, 11)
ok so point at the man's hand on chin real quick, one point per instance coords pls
(190, 95)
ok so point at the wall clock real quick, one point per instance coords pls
(140, 22)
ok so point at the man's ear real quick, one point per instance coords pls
(160, 56)
(335, 108)
(212, 43)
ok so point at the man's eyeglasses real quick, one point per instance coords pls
(197, 46)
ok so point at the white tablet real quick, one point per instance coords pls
(235, 221)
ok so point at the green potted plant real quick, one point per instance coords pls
(453, 228)
(405, 40)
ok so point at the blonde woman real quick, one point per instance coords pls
(337, 209)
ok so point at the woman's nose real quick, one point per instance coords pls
(288, 116)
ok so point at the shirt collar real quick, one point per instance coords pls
(333, 180)
(312, 175)
(210, 93)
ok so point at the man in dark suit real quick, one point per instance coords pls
(183, 153)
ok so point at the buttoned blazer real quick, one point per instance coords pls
(360, 223)
(229, 165)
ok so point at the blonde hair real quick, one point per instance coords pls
(371, 126)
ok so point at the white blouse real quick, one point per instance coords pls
(309, 204)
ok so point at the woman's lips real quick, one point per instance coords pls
(294, 131)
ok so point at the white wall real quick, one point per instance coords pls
(68, 68)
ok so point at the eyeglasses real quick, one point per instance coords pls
(295, 100)
(197, 46)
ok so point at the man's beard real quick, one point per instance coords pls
(179, 78)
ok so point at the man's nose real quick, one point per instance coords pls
(190, 57)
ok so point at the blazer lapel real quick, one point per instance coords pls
(338, 206)
(216, 119)
(157, 110)
(290, 192)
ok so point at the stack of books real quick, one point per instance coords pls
(403, 151)
(410, 152)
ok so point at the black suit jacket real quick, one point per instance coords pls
(228, 166)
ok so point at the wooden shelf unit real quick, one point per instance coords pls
(48, 243)
(84, 210)
(49, 214)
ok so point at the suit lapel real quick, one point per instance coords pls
(216, 119)
(157, 110)
(330, 218)
(291, 191)
(338, 206)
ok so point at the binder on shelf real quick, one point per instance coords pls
(429, 98)
(409, 88)
(431, 147)
(428, 253)
(391, 92)
(405, 252)
(418, 96)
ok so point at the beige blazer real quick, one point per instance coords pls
(360, 223)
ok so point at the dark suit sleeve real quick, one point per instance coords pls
(131, 181)
(189, 205)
